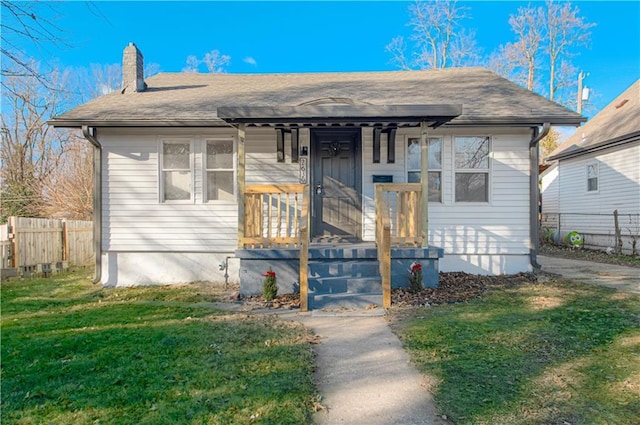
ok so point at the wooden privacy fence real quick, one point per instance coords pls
(30, 243)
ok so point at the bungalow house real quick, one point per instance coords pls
(337, 181)
(596, 172)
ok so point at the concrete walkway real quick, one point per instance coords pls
(363, 373)
(617, 277)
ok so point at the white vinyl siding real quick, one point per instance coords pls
(136, 220)
(500, 227)
(549, 190)
(618, 182)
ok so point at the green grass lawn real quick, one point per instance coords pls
(73, 353)
(552, 353)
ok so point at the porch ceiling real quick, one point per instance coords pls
(360, 115)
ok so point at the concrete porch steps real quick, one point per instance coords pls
(344, 277)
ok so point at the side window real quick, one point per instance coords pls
(592, 177)
(220, 170)
(472, 169)
(434, 165)
(176, 171)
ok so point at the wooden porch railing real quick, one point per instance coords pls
(398, 223)
(274, 215)
(403, 202)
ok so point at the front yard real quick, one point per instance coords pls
(73, 353)
(554, 352)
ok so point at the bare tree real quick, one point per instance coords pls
(565, 30)
(440, 40)
(545, 39)
(30, 151)
(68, 193)
(26, 25)
(528, 39)
(214, 61)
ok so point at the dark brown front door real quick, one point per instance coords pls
(336, 184)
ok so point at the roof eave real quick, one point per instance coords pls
(618, 141)
(517, 121)
(78, 123)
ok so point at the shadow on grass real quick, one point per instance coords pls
(530, 355)
(81, 361)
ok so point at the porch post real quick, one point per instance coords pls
(241, 181)
(424, 181)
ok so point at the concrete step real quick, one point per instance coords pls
(343, 268)
(339, 285)
(345, 301)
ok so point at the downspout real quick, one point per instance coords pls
(89, 134)
(534, 189)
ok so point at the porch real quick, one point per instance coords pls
(332, 271)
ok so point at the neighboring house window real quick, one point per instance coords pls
(176, 170)
(592, 177)
(220, 170)
(434, 165)
(472, 169)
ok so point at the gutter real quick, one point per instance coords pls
(534, 191)
(89, 134)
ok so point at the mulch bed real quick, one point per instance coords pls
(454, 287)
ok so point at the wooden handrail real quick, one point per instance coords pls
(403, 202)
(304, 251)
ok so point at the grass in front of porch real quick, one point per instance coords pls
(74, 353)
(559, 352)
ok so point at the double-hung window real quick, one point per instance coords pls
(592, 177)
(414, 157)
(177, 181)
(471, 169)
(220, 170)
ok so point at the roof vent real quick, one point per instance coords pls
(132, 70)
(621, 104)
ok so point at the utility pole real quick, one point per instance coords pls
(583, 93)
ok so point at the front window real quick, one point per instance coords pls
(592, 177)
(472, 169)
(434, 164)
(176, 170)
(220, 170)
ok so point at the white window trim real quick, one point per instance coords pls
(586, 175)
(205, 169)
(161, 141)
(439, 170)
(487, 170)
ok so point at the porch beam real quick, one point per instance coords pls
(241, 184)
(424, 181)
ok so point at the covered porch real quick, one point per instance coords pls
(279, 226)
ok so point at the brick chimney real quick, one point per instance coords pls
(132, 70)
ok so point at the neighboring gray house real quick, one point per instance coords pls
(597, 171)
(198, 170)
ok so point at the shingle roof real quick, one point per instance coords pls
(617, 122)
(192, 99)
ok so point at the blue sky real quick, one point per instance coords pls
(290, 36)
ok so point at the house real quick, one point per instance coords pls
(594, 173)
(319, 176)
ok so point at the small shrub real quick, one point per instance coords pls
(415, 277)
(270, 288)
